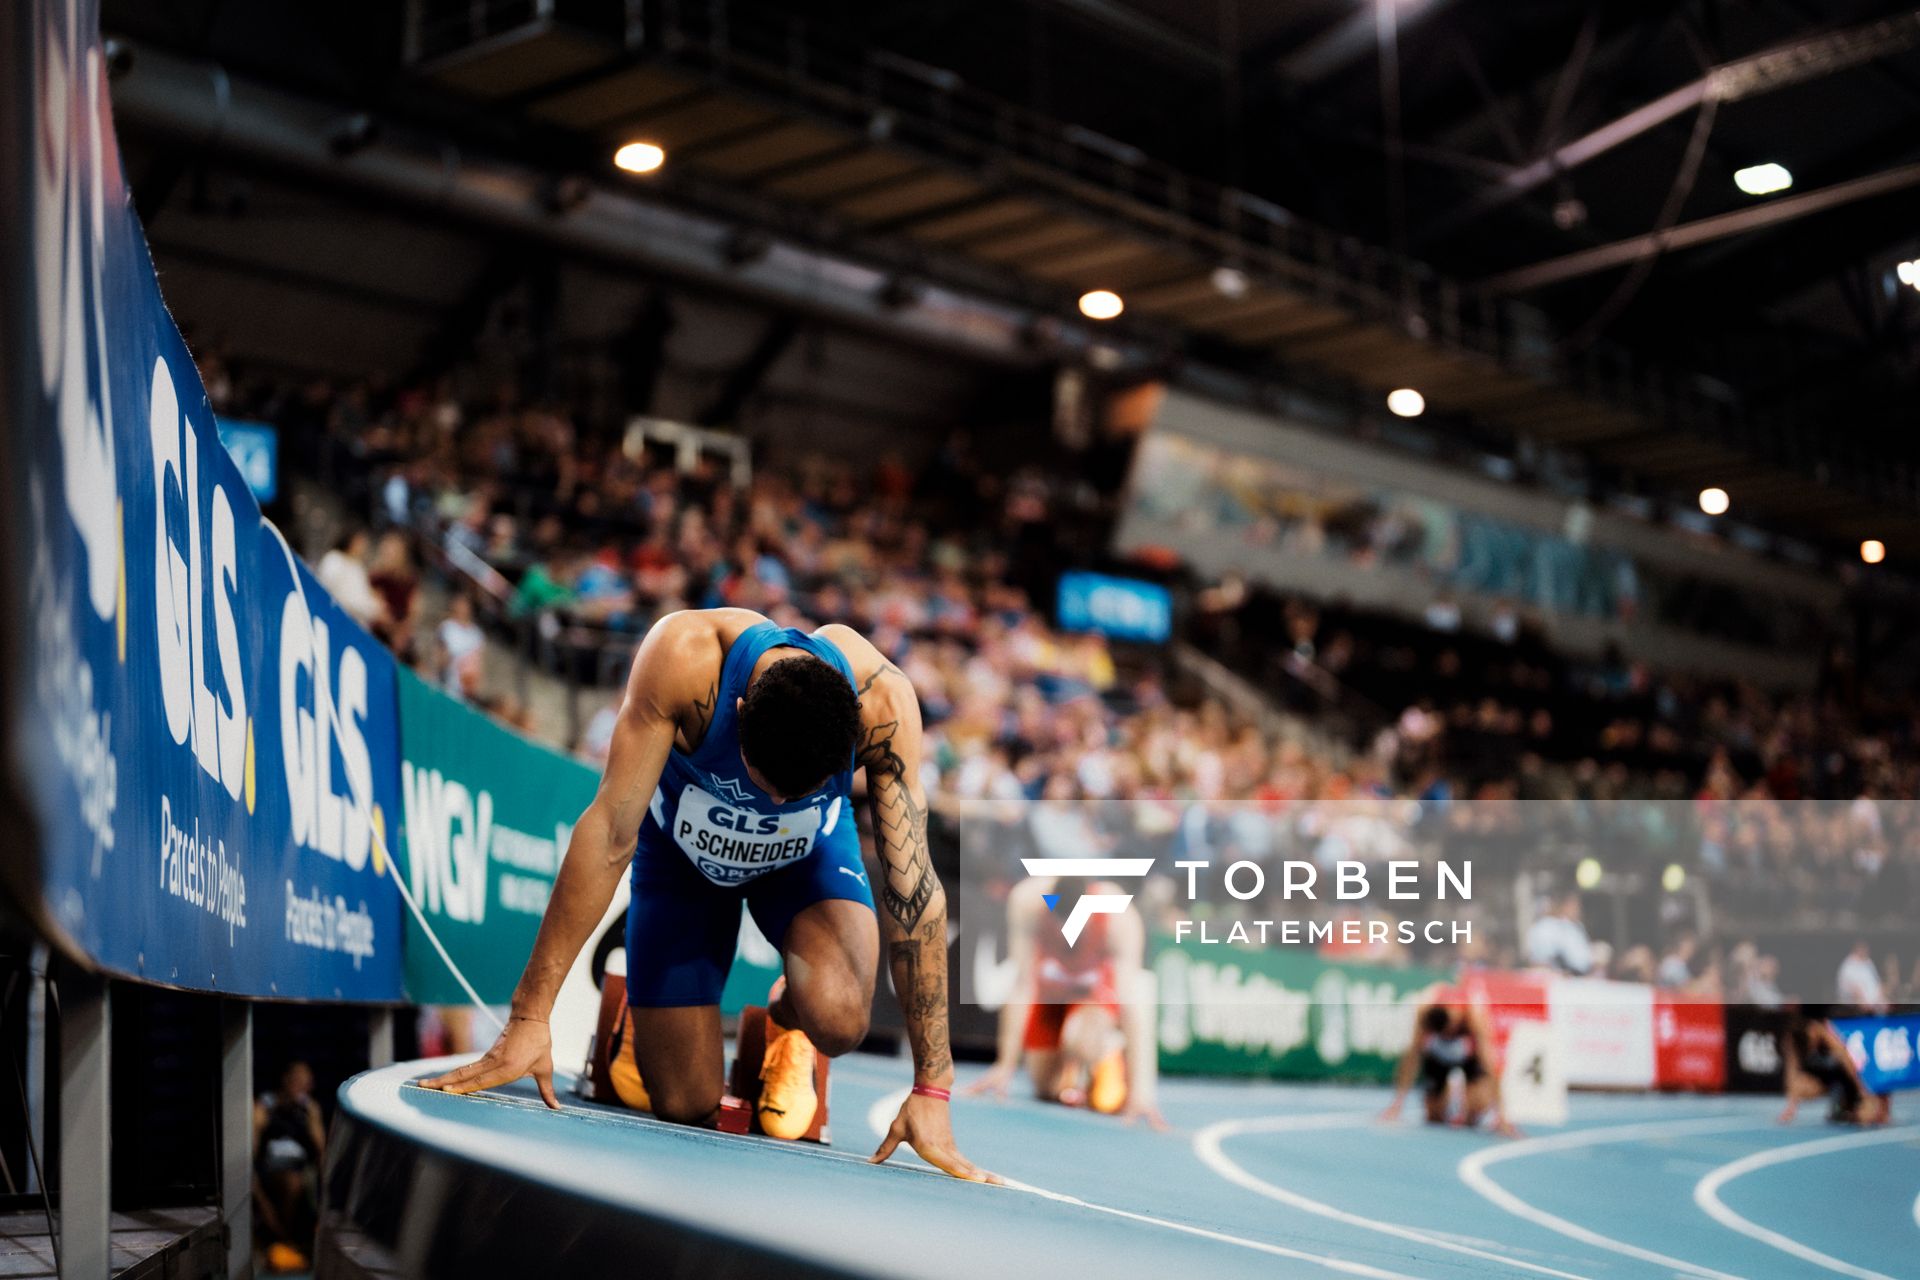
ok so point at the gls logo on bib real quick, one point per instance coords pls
(731, 845)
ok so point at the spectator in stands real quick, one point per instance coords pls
(1017, 710)
(462, 649)
(343, 572)
(1763, 985)
(398, 586)
(1858, 982)
(1558, 939)
(546, 584)
(1634, 965)
(288, 1143)
(1676, 966)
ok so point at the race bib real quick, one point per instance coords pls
(731, 845)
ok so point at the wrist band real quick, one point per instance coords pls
(933, 1091)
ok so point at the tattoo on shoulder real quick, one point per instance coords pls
(885, 668)
(876, 752)
(703, 715)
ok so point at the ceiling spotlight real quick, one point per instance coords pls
(1908, 273)
(1588, 873)
(1230, 282)
(1762, 179)
(639, 157)
(1101, 304)
(1714, 501)
(1873, 551)
(1406, 403)
(1674, 878)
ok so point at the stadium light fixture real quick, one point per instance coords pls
(1908, 273)
(1588, 873)
(1714, 501)
(1230, 282)
(1406, 403)
(1873, 551)
(1762, 179)
(1101, 304)
(639, 157)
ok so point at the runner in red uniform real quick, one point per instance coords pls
(1082, 1014)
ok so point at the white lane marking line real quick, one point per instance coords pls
(1207, 1146)
(1472, 1171)
(880, 1119)
(1221, 1237)
(1706, 1194)
(1916, 1211)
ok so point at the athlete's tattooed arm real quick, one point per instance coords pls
(913, 907)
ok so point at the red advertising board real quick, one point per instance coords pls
(1689, 1043)
(1506, 998)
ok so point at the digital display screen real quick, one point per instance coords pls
(255, 449)
(1124, 608)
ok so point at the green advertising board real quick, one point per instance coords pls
(1282, 1013)
(486, 820)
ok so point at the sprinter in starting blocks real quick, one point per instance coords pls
(729, 785)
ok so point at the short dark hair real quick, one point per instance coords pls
(1436, 1019)
(799, 724)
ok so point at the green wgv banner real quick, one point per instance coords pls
(1285, 1014)
(486, 819)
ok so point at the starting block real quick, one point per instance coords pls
(737, 1106)
(750, 1051)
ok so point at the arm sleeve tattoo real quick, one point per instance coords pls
(913, 915)
(899, 829)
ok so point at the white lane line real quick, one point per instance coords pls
(1916, 1211)
(1706, 1194)
(1207, 1146)
(1473, 1172)
(1221, 1237)
(880, 1118)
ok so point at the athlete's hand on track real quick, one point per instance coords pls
(1392, 1113)
(993, 1084)
(1151, 1114)
(525, 1047)
(923, 1125)
(1789, 1112)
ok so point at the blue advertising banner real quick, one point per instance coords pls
(1885, 1049)
(209, 745)
(1124, 608)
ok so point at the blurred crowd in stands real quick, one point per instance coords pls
(542, 539)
